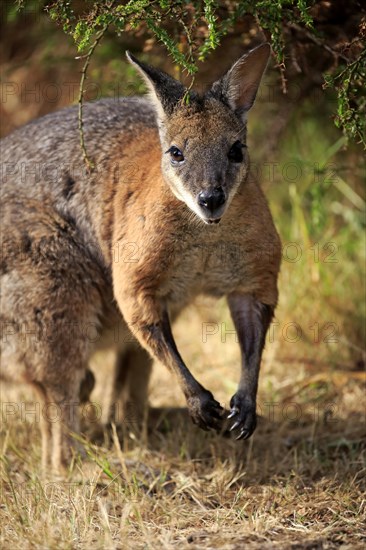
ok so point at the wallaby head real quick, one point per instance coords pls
(203, 137)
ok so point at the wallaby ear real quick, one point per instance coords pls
(165, 91)
(239, 86)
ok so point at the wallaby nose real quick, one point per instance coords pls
(212, 199)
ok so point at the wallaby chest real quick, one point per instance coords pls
(213, 266)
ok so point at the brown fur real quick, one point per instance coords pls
(125, 248)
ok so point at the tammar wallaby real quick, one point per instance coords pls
(133, 241)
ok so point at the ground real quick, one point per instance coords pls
(299, 482)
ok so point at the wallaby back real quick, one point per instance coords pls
(169, 211)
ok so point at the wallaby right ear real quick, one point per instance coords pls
(239, 86)
(165, 91)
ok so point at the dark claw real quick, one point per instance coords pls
(216, 418)
(234, 411)
(242, 408)
(235, 425)
(201, 425)
(205, 411)
(216, 414)
(244, 434)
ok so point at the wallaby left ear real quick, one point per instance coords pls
(239, 86)
(165, 91)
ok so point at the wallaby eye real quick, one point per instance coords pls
(236, 154)
(176, 154)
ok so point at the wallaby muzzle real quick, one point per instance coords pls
(212, 203)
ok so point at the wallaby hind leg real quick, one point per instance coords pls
(130, 390)
(54, 361)
(87, 386)
(49, 303)
(59, 420)
(45, 426)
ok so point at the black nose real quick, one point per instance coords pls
(212, 199)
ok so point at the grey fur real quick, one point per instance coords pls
(60, 224)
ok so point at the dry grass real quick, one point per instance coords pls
(298, 483)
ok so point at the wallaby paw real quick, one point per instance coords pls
(242, 411)
(205, 411)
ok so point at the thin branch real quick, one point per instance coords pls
(186, 97)
(352, 66)
(99, 36)
(317, 41)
